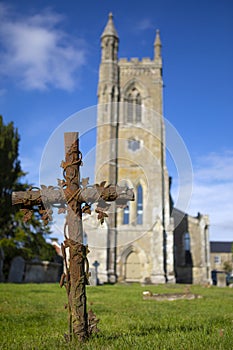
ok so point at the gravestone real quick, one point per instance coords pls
(37, 271)
(96, 265)
(16, 274)
(221, 279)
(93, 277)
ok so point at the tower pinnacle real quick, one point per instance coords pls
(157, 45)
(110, 30)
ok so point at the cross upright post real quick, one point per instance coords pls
(75, 272)
(74, 197)
(72, 177)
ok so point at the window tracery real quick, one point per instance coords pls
(139, 205)
(134, 106)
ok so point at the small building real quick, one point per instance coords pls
(220, 253)
(191, 253)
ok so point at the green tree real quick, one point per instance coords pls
(10, 171)
(16, 236)
(228, 266)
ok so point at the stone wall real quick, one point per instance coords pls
(192, 264)
(42, 272)
(36, 271)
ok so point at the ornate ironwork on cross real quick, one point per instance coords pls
(73, 197)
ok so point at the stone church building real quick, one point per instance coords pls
(149, 241)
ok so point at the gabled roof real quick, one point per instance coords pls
(220, 247)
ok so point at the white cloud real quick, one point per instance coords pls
(216, 167)
(212, 193)
(36, 52)
(144, 24)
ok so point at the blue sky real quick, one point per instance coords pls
(50, 54)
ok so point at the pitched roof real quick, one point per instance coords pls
(110, 30)
(220, 247)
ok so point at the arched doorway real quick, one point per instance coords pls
(133, 267)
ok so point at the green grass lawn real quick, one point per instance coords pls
(32, 316)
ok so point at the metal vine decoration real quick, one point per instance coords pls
(73, 197)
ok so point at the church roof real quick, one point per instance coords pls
(110, 30)
(220, 247)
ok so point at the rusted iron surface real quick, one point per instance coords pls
(74, 197)
(60, 197)
(55, 195)
(77, 269)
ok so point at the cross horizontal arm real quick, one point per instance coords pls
(53, 195)
(34, 197)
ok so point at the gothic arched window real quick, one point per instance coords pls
(126, 216)
(187, 249)
(138, 107)
(187, 242)
(130, 109)
(85, 239)
(134, 106)
(139, 205)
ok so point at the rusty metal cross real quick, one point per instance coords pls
(74, 197)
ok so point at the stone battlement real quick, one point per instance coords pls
(136, 60)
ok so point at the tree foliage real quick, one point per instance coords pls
(228, 266)
(16, 236)
(10, 171)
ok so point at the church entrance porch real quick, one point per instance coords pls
(132, 268)
(133, 264)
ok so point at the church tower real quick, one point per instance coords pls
(108, 98)
(131, 151)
